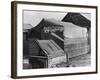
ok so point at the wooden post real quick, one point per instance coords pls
(67, 60)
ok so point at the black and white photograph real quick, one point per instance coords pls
(53, 39)
(56, 39)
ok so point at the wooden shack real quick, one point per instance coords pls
(45, 44)
(50, 54)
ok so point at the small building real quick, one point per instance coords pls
(50, 55)
(26, 28)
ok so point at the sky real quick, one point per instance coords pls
(34, 17)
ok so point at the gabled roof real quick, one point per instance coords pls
(77, 19)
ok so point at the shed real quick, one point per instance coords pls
(50, 54)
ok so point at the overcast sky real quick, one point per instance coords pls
(34, 17)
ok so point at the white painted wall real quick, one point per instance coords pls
(5, 41)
